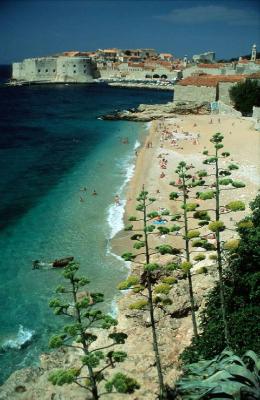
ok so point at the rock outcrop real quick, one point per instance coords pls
(174, 334)
(147, 112)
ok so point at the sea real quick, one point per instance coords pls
(54, 152)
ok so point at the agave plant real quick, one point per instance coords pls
(226, 376)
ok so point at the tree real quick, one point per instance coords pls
(242, 297)
(245, 95)
(82, 310)
(146, 286)
(185, 182)
(221, 182)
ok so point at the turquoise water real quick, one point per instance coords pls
(51, 146)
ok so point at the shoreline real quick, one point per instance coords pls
(175, 330)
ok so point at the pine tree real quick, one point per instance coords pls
(221, 182)
(79, 335)
(147, 286)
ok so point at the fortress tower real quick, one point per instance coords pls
(253, 53)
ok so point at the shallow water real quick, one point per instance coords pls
(51, 146)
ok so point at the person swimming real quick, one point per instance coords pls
(94, 193)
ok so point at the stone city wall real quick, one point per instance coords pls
(55, 69)
(194, 93)
(137, 73)
(223, 92)
(209, 71)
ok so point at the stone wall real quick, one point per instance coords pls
(209, 71)
(133, 73)
(225, 109)
(194, 93)
(256, 117)
(223, 92)
(55, 69)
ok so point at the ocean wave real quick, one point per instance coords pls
(137, 144)
(148, 125)
(115, 213)
(23, 337)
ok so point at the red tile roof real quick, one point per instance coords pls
(210, 80)
(216, 65)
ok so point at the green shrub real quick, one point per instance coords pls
(202, 270)
(245, 95)
(226, 376)
(138, 305)
(171, 266)
(138, 245)
(198, 243)
(153, 214)
(233, 167)
(193, 234)
(165, 212)
(163, 288)
(217, 226)
(169, 280)
(238, 184)
(213, 257)
(167, 249)
(236, 205)
(132, 218)
(231, 244)
(175, 228)
(176, 217)
(225, 154)
(163, 230)
(129, 227)
(122, 384)
(151, 267)
(203, 223)
(128, 256)
(207, 195)
(190, 206)
(132, 280)
(225, 181)
(186, 266)
(202, 173)
(173, 195)
(203, 215)
(199, 257)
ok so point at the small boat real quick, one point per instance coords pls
(59, 263)
(62, 262)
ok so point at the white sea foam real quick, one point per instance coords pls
(116, 211)
(23, 337)
(137, 144)
(148, 125)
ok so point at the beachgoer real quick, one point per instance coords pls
(162, 175)
(94, 193)
(81, 199)
(117, 200)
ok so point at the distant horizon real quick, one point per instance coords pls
(37, 29)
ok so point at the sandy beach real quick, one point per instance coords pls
(191, 135)
(243, 142)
